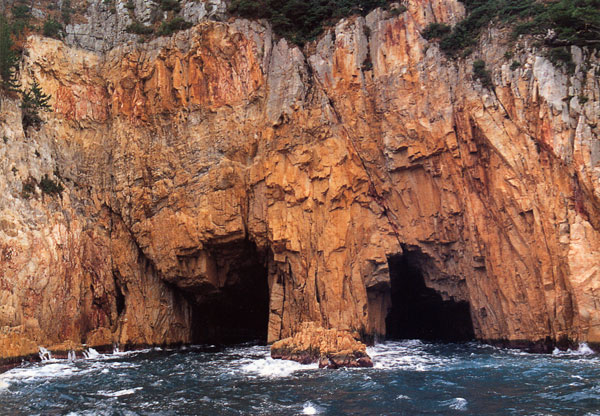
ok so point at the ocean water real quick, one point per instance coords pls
(409, 378)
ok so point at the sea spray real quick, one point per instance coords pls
(582, 349)
(44, 354)
(91, 353)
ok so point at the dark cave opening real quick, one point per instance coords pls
(420, 312)
(119, 298)
(238, 311)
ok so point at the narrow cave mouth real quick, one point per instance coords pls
(420, 312)
(238, 312)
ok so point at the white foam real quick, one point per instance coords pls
(402, 397)
(269, 367)
(44, 354)
(4, 385)
(91, 353)
(119, 393)
(407, 355)
(458, 403)
(310, 409)
(40, 371)
(582, 349)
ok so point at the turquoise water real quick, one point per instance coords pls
(409, 378)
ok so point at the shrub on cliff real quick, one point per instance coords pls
(33, 101)
(167, 5)
(66, 11)
(50, 187)
(573, 22)
(482, 74)
(21, 14)
(9, 60)
(139, 29)
(168, 28)
(436, 30)
(28, 189)
(52, 29)
(302, 20)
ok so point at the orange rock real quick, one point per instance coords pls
(179, 153)
(329, 347)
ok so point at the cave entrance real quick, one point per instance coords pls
(238, 310)
(420, 312)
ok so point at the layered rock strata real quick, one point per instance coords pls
(184, 157)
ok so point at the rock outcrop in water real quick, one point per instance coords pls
(328, 347)
(197, 163)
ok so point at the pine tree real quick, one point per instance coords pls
(32, 101)
(9, 60)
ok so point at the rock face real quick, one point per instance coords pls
(203, 168)
(328, 347)
(104, 24)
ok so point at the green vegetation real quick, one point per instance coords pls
(21, 11)
(436, 31)
(168, 28)
(129, 5)
(28, 189)
(398, 10)
(515, 65)
(574, 22)
(561, 56)
(20, 18)
(301, 21)
(50, 187)
(9, 59)
(47, 185)
(66, 12)
(482, 74)
(479, 14)
(168, 5)
(33, 101)
(139, 29)
(52, 29)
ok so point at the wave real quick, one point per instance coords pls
(310, 409)
(582, 349)
(269, 367)
(458, 403)
(119, 393)
(407, 355)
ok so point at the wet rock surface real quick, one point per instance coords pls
(328, 347)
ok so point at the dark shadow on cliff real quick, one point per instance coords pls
(239, 310)
(419, 312)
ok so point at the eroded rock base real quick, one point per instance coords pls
(331, 348)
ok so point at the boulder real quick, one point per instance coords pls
(331, 348)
